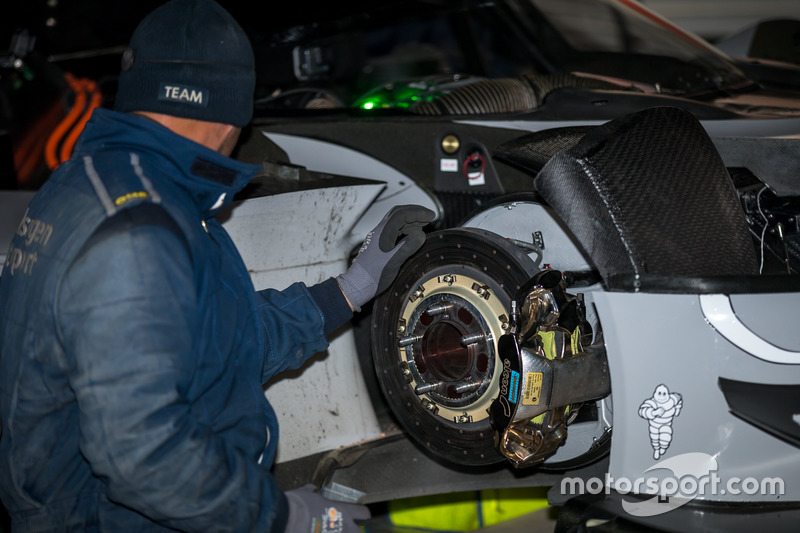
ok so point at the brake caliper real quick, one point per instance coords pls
(548, 370)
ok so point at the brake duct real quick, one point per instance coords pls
(546, 371)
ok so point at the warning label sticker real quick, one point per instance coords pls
(448, 165)
(533, 388)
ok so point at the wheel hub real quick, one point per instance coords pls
(434, 336)
(450, 346)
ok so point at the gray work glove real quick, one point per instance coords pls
(310, 512)
(380, 257)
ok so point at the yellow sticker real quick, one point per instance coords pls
(533, 388)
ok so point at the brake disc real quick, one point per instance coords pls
(434, 339)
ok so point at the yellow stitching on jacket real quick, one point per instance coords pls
(130, 196)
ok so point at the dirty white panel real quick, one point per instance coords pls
(321, 156)
(305, 236)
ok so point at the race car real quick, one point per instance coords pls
(607, 291)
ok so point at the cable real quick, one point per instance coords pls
(51, 148)
(764, 231)
(62, 140)
(95, 99)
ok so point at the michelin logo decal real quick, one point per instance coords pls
(659, 411)
(172, 92)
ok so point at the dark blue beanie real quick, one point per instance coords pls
(191, 59)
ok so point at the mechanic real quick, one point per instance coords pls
(133, 346)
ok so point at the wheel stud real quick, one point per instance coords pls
(475, 338)
(410, 339)
(437, 309)
(427, 387)
(468, 387)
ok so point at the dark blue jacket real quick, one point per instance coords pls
(133, 346)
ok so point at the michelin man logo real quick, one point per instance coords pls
(659, 411)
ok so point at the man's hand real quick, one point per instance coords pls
(310, 511)
(381, 255)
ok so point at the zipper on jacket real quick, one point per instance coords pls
(203, 223)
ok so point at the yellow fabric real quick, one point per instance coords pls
(444, 512)
(504, 504)
(466, 511)
(576, 336)
(548, 339)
